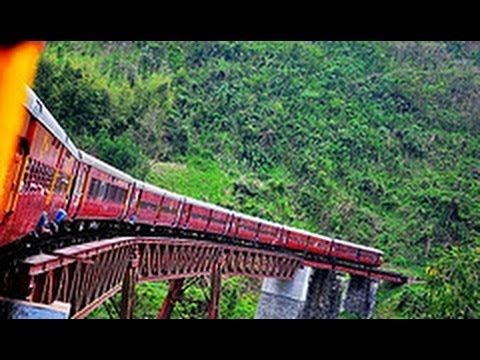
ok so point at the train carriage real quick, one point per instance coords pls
(344, 251)
(368, 255)
(298, 239)
(169, 209)
(52, 181)
(219, 221)
(319, 245)
(195, 215)
(145, 204)
(246, 227)
(269, 232)
(43, 174)
(106, 191)
(203, 217)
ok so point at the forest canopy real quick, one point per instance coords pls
(372, 142)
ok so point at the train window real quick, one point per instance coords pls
(121, 194)
(246, 227)
(111, 189)
(200, 216)
(106, 195)
(148, 205)
(38, 177)
(267, 232)
(112, 192)
(101, 192)
(166, 209)
(79, 183)
(115, 194)
(93, 189)
(61, 185)
(27, 181)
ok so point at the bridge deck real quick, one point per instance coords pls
(88, 274)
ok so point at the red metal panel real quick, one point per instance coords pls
(168, 215)
(319, 245)
(268, 233)
(195, 217)
(148, 208)
(94, 206)
(247, 230)
(36, 184)
(297, 241)
(218, 223)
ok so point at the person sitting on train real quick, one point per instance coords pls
(133, 218)
(42, 225)
(60, 216)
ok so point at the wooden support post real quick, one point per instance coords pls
(128, 286)
(174, 293)
(215, 291)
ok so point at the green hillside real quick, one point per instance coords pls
(371, 142)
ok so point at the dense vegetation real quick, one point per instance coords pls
(372, 142)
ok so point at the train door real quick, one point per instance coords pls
(60, 190)
(137, 200)
(160, 210)
(179, 212)
(17, 174)
(185, 215)
(131, 201)
(78, 195)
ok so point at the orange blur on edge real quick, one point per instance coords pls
(18, 64)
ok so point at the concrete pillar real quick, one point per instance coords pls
(284, 299)
(313, 294)
(324, 295)
(361, 296)
(19, 309)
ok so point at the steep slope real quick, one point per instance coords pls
(372, 142)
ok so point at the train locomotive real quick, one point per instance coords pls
(52, 183)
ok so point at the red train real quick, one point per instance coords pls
(55, 183)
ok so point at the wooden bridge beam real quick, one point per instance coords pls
(174, 293)
(128, 287)
(215, 291)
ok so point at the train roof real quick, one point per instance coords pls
(38, 109)
(149, 187)
(157, 190)
(208, 205)
(300, 231)
(338, 241)
(362, 247)
(103, 166)
(256, 219)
